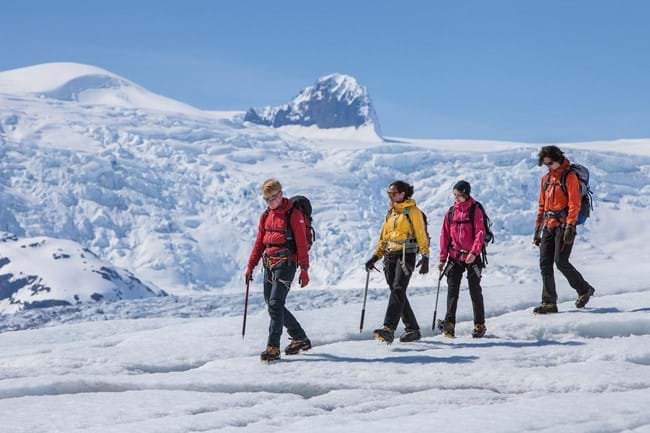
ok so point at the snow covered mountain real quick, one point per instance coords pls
(85, 84)
(334, 101)
(44, 272)
(172, 195)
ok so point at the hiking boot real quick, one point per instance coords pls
(447, 328)
(410, 335)
(545, 309)
(271, 354)
(384, 334)
(297, 346)
(479, 331)
(584, 298)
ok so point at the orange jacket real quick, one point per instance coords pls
(554, 199)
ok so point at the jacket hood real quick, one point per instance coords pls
(464, 205)
(284, 206)
(558, 171)
(399, 207)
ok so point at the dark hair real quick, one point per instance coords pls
(463, 187)
(402, 186)
(552, 152)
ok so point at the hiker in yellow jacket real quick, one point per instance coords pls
(402, 236)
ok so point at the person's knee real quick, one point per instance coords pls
(546, 266)
(275, 305)
(563, 264)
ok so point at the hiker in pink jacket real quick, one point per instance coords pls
(461, 242)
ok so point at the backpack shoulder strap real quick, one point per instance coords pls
(450, 215)
(472, 213)
(407, 214)
(564, 177)
(287, 224)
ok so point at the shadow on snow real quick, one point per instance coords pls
(325, 357)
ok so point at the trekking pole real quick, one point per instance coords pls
(435, 310)
(365, 296)
(243, 328)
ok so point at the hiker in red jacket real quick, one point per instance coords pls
(555, 228)
(461, 241)
(283, 250)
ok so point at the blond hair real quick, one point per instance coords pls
(271, 186)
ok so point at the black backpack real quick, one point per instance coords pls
(489, 236)
(586, 200)
(304, 205)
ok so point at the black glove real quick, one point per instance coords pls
(537, 237)
(569, 234)
(370, 264)
(423, 264)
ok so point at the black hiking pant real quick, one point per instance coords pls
(553, 250)
(398, 280)
(454, 277)
(277, 282)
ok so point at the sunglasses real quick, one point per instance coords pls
(548, 164)
(392, 193)
(271, 197)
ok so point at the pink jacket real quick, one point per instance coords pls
(456, 238)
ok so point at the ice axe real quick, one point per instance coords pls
(435, 309)
(243, 328)
(365, 296)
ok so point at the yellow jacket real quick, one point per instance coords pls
(397, 231)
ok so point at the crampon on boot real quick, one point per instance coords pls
(410, 335)
(479, 331)
(296, 346)
(447, 328)
(271, 354)
(545, 309)
(584, 298)
(384, 334)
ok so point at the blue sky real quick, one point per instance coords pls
(538, 71)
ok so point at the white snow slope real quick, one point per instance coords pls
(43, 272)
(174, 197)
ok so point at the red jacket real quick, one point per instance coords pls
(458, 235)
(271, 235)
(554, 198)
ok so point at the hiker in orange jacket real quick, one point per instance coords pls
(555, 228)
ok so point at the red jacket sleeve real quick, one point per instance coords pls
(540, 203)
(299, 230)
(574, 197)
(445, 238)
(479, 231)
(258, 247)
